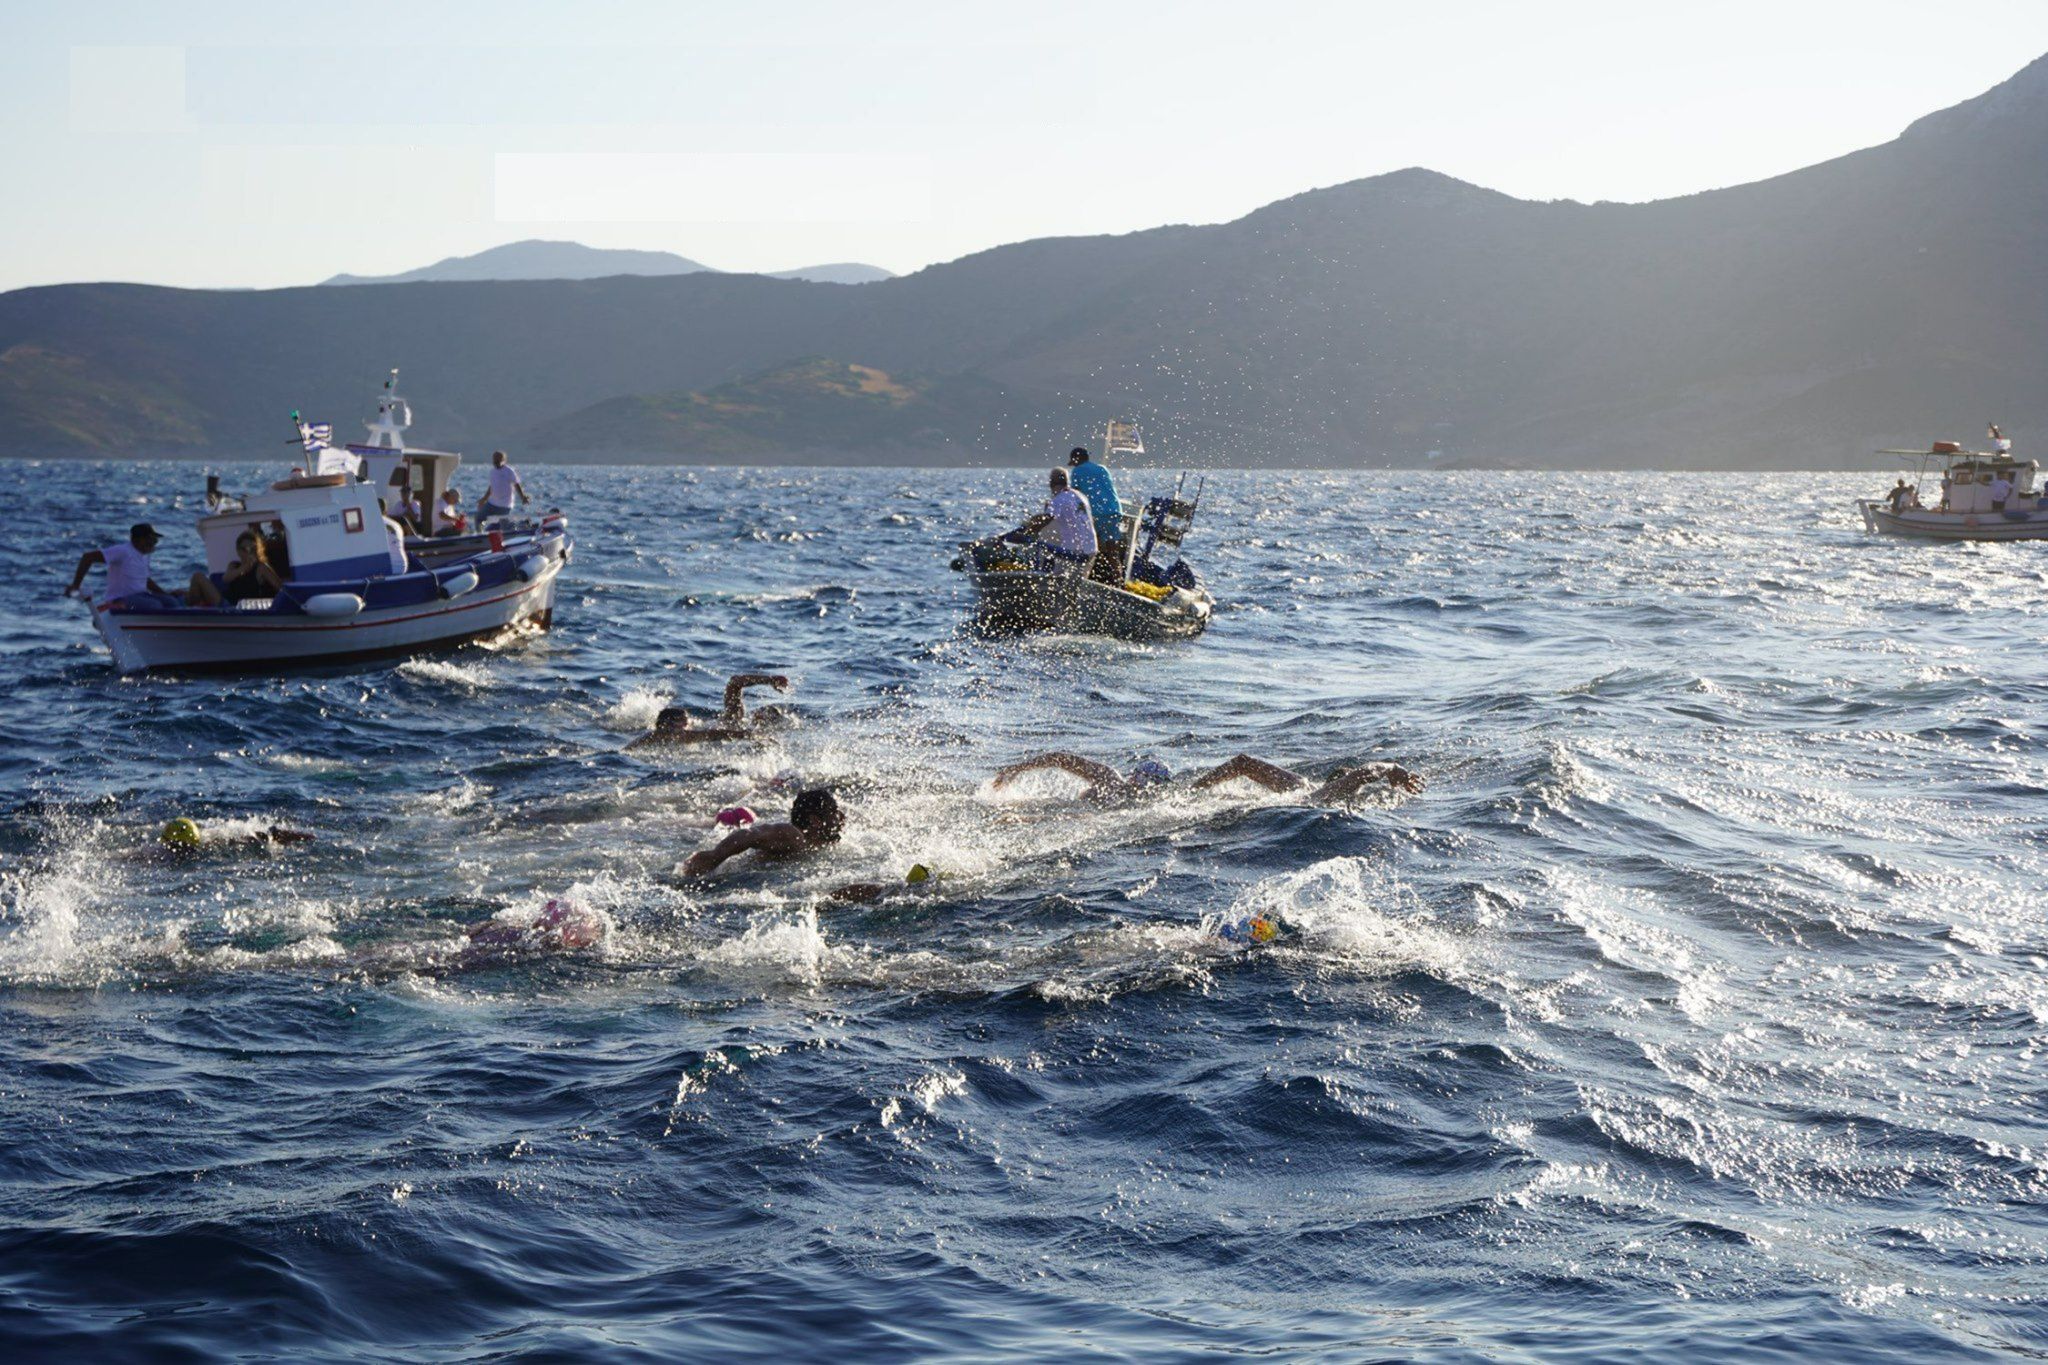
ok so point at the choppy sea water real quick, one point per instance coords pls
(1699, 1005)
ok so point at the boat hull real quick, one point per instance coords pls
(260, 641)
(1024, 600)
(1925, 524)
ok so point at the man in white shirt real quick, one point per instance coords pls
(2001, 489)
(505, 485)
(448, 518)
(128, 582)
(1073, 524)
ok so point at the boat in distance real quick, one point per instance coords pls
(1983, 495)
(1127, 593)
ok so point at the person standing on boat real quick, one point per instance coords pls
(128, 580)
(1093, 482)
(1074, 527)
(505, 485)
(2001, 489)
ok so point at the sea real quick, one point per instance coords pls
(1696, 1009)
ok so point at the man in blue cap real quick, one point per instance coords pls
(1092, 481)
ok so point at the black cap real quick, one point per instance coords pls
(142, 530)
(1078, 455)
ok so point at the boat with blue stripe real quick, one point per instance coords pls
(355, 586)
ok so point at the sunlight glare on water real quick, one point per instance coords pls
(1698, 1002)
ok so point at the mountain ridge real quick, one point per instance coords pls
(1890, 295)
(540, 259)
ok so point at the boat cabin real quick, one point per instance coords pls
(329, 523)
(1971, 474)
(385, 455)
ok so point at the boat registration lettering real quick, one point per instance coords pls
(321, 519)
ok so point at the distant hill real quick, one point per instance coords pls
(538, 260)
(1888, 297)
(841, 272)
(813, 406)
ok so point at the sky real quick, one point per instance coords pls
(267, 144)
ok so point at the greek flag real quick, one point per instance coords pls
(316, 435)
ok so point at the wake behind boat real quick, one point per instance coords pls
(1024, 581)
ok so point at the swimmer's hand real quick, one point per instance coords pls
(1402, 779)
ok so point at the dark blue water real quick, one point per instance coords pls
(1699, 1005)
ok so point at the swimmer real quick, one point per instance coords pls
(675, 726)
(561, 926)
(815, 822)
(183, 838)
(1107, 786)
(919, 877)
(1254, 930)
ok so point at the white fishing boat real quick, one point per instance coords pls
(1129, 594)
(346, 597)
(1980, 495)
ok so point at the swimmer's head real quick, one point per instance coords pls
(1150, 772)
(180, 833)
(771, 717)
(672, 719)
(817, 814)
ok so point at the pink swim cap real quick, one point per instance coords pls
(735, 815)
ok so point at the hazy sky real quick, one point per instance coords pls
(271, 143)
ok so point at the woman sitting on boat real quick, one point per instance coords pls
(248, 575)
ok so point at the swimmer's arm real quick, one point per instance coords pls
(859, 892)
(735, 710)
(1346, 783)
(778, 838)
(1087, 769)
(1271, 776)
(731, 846)
(280, 835)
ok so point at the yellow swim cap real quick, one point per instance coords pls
(180, 833)
(918, 873)
(1264, 930)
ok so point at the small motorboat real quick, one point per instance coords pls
(1964, 506)
(1130, 595)
(344, 599)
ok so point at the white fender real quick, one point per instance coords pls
(337, 605)
(464, 582)
(531, 567)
